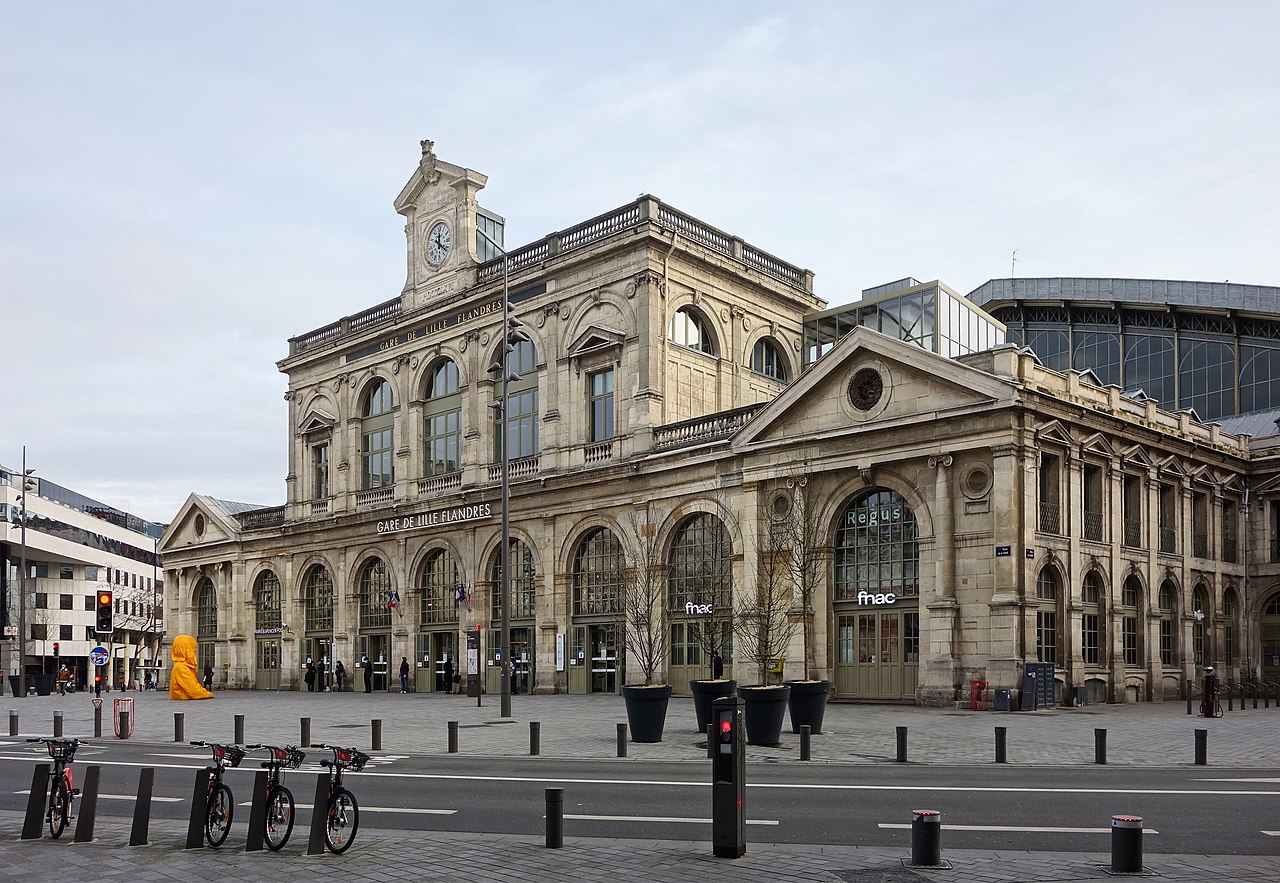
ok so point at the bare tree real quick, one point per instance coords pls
(644, 594)
(765, 621)
(805, 544)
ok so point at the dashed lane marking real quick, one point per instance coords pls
(661, 819)
(1024, 829)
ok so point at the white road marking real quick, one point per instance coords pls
(673, 819)
(1272, 833)
(121, 797)
(392, 809)
(1026, 829)
(1253, 781)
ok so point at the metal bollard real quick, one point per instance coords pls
(622, 740)
(57, 725)
(535, 738)
(1100, 745)
(97, 718)
(142, 808)
(1202, 747)
(305, 726)
(13, 722)
(179, 719)
(1254, 688)
(902, 744)
(926, 838)
(711, 741)
(453, 737)
(1000, 741)
(805, 732)
(124, 725)
(377, 733)
(87, 814)
(555, 818)
(1126, 844)
(1231, 700)
(239, 737)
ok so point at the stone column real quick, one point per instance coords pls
(941, 678)
(1010, 509)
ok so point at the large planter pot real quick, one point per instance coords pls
(765, 709)
(646, 711)
(707, 691)
(44, 683)
(808, 703)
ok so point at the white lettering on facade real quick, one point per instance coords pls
(691, 608)
(435, 518)
(876, 598)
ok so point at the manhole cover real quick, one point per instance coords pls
(890, 874)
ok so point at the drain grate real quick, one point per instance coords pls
(887, 874)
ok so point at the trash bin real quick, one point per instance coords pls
(1002, 700)
(124, 704)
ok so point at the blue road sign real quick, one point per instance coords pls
(99, 655)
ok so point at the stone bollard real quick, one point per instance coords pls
(622, 740)
(1126, 844)
(376, 726)
(902, 744)
(535, 738)
(1000, 743)
(453, 737)
(555, 818)
(57, 725)
(805, 733)
(179, 719)
(926, 838)
(1100, 745)
(239, 730)
(1202, 747)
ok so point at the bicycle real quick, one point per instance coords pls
(279, 818)
(342, 812)
(62, 790)
(221, 805)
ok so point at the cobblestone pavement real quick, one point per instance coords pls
(1154, 734)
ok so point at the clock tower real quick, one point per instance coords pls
(439, 206)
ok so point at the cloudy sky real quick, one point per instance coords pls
(184, 186)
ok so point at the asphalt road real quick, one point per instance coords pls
(1186, 810)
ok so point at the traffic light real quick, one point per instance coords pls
(105, 622)
(726, 729)
(55, 649)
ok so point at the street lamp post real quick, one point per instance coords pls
(27, 485)
(511, 335)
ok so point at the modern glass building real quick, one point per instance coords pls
(1213, 347)
(928, 314)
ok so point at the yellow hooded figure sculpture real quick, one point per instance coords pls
(183, 681)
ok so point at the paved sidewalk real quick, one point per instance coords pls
(495, 858)
(1148, 734)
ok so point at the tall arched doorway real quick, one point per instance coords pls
(266, 632)
(206, 628)
(1271, 639)
(876, 598)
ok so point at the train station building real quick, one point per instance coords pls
(686, 406)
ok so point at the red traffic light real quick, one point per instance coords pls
(55, 648)
(726, 729)
(104, 597)
(97, 679)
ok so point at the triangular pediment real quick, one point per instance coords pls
(201, 521)
(1054, 432)
(1097, 444)
(1136, 455)
(870, 380)
(595, 339)
(317, 420)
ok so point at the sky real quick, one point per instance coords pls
(185, 186)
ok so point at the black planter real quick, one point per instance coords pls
(704, 693)
(43, 682)
(765, 707)
(808, 704)
(646, 711)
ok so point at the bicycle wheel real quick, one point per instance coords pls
(279, 817)
(221, 807)
(59, 806)
(344, 819)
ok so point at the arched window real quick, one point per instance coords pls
(375, 589)
(700, 564)
(1229, 626)
(267, 596)
(1165, 602)
(689, 329)
(440, 582)
(876, 547)
(767, 359)
(377, 439)
(522, 586)
(442, 429)
(206, 609)
(317, 595)
(1130, 621)
(1199, 613)
(1092, 625)
(598, 570)
(1047, 616)
(522, 405)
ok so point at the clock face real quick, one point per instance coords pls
(439, 240)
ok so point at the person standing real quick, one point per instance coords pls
(717, 666)
(339, 674)
(368, 674)
(404, 674)
(448, 675)
(322, 683)
(208, 678)
(310, 676)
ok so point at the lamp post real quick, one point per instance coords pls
(511, 335)
(27, 485)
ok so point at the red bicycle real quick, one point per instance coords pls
(342, 813)
(279, 819)
(221, 805)
(62, 788)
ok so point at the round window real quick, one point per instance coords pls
(865, 389)
(199, 524)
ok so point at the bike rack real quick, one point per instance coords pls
(36, 800)
(88, 812)
(142, 808)
(199, 809)
(257, 813)
(319, 815)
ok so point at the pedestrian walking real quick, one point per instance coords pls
(368, 674)
(339, 674)
(310, 676)
(64, 675)
(448, 675)
(208, 678)
(404, 674)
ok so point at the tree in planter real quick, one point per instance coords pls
(765, 622)
(644, 596)
(800, 537)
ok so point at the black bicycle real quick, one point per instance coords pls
(279, 820)
(342, 813)
(62, 788)
(221, 806)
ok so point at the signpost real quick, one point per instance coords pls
(99, 655)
